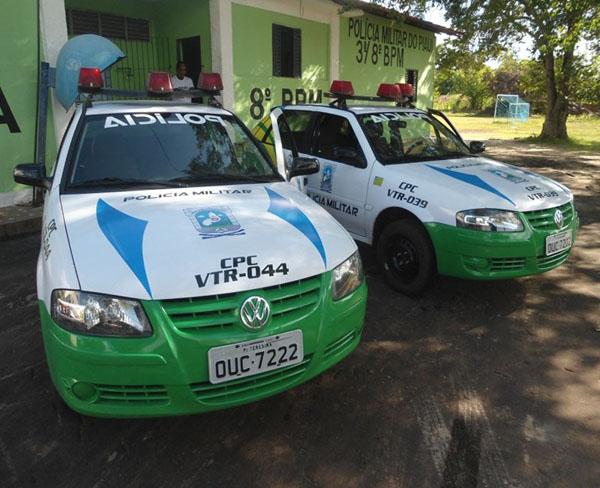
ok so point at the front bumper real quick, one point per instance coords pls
(167, 373)
(472, 254)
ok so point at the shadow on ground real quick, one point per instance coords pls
(475, 384)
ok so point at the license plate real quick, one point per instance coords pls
(248, 358)
(558, 242)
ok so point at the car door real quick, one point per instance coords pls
(341, 184)
(290, 138)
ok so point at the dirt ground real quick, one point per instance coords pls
(493, 384)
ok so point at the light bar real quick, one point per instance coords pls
(406, 89)
(342, 88)
(90, 80)
(159, 83)
(389, 90)
(210, 82)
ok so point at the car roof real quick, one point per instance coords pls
(369, 109)
(137, 106)
(357, 109)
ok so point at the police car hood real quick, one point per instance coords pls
(476, 182)
(187, 242)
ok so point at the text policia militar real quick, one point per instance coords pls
(380, 44)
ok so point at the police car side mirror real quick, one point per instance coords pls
(477, 147)
(32, 174)
(303, 166)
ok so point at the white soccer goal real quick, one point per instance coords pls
(511, 108)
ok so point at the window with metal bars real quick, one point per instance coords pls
(287, 52)
(412, 78)
(107, 25)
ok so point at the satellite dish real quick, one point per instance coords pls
(85, 51)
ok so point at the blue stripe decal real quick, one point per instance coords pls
(126, 234)
(286, 210)
(471, 180)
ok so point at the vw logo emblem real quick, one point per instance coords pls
(255, 313)
(558, 218)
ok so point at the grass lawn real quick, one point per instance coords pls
(584, 131)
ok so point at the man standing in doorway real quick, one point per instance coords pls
(180, 81)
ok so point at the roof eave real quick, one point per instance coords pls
(389, 13)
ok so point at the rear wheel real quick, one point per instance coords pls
(406, 256)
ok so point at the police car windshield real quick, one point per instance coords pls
(163, 149)
(402, 137)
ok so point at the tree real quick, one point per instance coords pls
(586, 89)
(417, 7)
(507, 75)
(463, 72)
(555, 26)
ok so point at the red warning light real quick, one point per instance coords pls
(406, 89)
(210, 82)
(90, 79)
(389, 90)
(342, 88)
(159, 83)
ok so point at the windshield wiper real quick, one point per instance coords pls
(124, 182)
(456, 154)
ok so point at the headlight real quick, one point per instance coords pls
(490, 220)
(347, 277)
(99, 315)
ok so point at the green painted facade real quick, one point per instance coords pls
(372, 50)
(185, 18)
(168, 21)
(18, 83)
(256, 89)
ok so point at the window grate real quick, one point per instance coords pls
(107, 25)
(412, 78)
(83, 22)
(287, 51)
(138, 30)
(112, 26)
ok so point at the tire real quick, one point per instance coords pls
(406, 257)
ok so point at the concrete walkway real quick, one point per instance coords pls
(19, 220)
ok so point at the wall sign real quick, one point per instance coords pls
(259, 97)
(6, 115)
(379, 44)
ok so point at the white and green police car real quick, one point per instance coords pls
(179, 272)
(401, 180)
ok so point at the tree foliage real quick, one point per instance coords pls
(490, 27)
(466, 83)
(555, 26)
(415, 8)
(463, 72)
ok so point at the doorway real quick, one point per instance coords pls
(188, 51)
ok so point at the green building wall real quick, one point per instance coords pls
(19, 64)
(372, 50)
(256, 89)
(375, 50)
(169, 21)
(185, 18)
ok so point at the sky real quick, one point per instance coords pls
(436, 15)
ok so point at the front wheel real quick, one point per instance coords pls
(406, 256)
